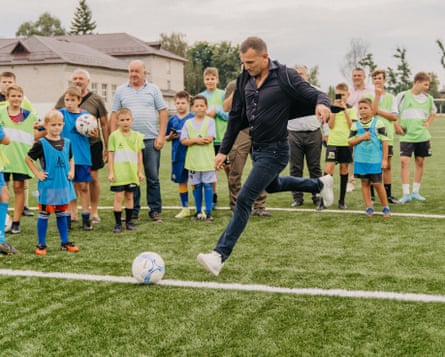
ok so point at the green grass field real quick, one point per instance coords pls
(293, 249)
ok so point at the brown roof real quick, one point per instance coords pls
(50, 50)
(121, 45)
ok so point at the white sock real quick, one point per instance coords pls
(416, 187)
(405, 189)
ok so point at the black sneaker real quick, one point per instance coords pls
(7, 249)
(209, 217)
(87, 226)
(393, 200)
(27, 212)
(156, 217)
(15, 228)
(117, 228)
(130, 226)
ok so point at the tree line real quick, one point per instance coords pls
(225, 56)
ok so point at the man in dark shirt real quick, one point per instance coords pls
(263, 103)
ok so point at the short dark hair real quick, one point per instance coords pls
(7, 74)
(198, 97)
(377, 72)
(422, 77)
(255, 43)
(183, 94)
(366, 100)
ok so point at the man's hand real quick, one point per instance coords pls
(159, 142)
(219, 161)
(322, 112)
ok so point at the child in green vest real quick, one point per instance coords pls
(125, 168)
(215, 100)
(416, 111)
(198, 135)
(18, 124)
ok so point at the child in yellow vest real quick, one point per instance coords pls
(125, 168)
(198, 135)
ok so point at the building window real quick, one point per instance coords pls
(105, 92)
(169, 85)
(169, 67)
(113, 90)
(94, 87)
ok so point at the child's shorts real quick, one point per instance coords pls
(131, 187)
(339, 154)
(82, 173)
(373, 178)
(53, 208)
(197, 177)
(179, 173)
(16, 176)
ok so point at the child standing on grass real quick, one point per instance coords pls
(82, 155)
(198, 135)
(215, 100)
(54, 184)
(338, 149)
(125, 167)
(174, 128)
(368, 136)
(18, 124)
(5, 247)
(416, 111)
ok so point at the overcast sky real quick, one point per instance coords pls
(313, 32)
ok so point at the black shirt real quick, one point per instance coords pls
(268, 107)
(36, 151)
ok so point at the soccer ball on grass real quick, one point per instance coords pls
(85, 124)
(148, 268)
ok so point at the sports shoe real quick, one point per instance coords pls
(405, 199)
(117, 228)
(130, 226)
(156, 217)
(199, 216)
(27, 212)
(316, 200)
(185, 212)
(261, 212)
(327, 193)
(393, 200)
(209, 217)
(15, 228)
(369, 211)
(134, 216)
(297, 203)
(350, 186)
(7, 249)
(211, 261)
(40, 249)
(95, 219)
(417, 196)
(342, 205)
(87, 226)
(69, 247)
(386, 212)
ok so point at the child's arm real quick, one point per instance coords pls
(5, 140)
(358, 139)
(111, 166)
(41, 175)
(71, 171)
(196, 141)
(331, 121)
(429, 121)
(140, 166)
(385, 154)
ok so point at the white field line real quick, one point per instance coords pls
(359, 294)
(418, 215)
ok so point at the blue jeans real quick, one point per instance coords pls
(268, 162)
(151, 159)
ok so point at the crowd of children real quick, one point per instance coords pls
(363, 137)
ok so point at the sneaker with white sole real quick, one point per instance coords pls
(327, 192)
(211, 261)
(417, 196)
(405, 198)
(185, 212)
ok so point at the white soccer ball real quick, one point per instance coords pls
(8, 223)
(85, 123)
(148, 268)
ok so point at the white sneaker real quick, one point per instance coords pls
(350, 186)
(327, 192)
(185, 212)
(211, 261)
